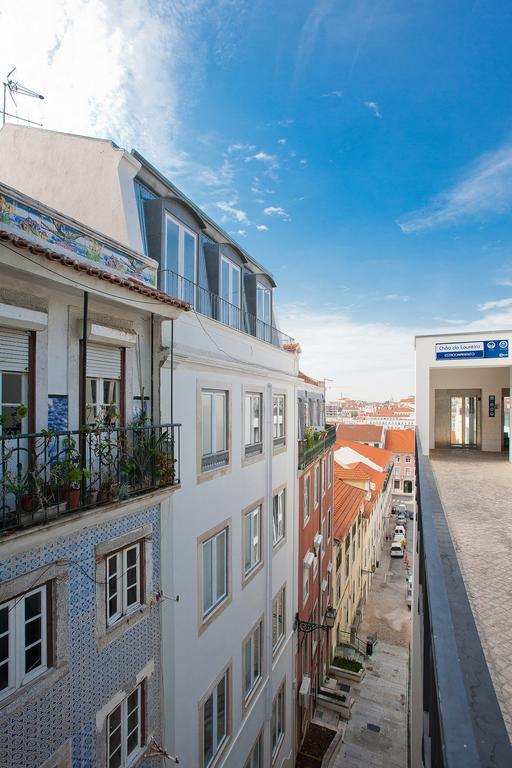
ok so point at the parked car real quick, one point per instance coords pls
(401, 520)
(408, 596)
(399, 529)
(397, 549)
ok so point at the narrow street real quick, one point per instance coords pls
(376, 734)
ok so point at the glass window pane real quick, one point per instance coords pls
(171, 245)
(207, 575)
(189, 266)
(221, 710)
(208, 729)
(206, 419)
(32, 605)
(33, 658)
(12, 388)
(220, 422)
(221, 564)
(247, 667)
(256, 654)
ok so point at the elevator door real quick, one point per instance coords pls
(464, 421)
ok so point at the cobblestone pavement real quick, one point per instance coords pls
(476, 491)
(376, 734)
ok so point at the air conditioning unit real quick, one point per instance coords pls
(304, 690)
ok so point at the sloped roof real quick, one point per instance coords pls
(309, 380)
(367, 433)
(400, 440)
(379, 456)
(347, 504)
(354, 471)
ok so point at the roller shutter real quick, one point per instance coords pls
(103, 362)
(13, 350)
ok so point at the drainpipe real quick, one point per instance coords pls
(83, 393)
(172, 372)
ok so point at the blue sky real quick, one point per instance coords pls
(361, 150)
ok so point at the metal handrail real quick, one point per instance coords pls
(46, 474)
(310, 449)
(209, 304)
(353, 640)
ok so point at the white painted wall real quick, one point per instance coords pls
(488, 374)
(90, 180)
(192, 660)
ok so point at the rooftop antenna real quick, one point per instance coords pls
(14, 87)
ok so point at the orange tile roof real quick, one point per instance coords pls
(368, 433)
(347, 504)
(379, 456)
(353, 471)
(400, 440)
(309, 380)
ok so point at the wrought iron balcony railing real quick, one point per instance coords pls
(210, 305)
(315, 444)
(48, 474)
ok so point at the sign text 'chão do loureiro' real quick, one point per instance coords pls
(470, 350)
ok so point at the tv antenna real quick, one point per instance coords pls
(15, 88)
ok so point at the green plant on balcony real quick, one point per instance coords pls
(69, 473)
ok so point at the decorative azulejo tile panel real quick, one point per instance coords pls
(68, 709)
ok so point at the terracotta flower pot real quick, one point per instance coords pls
(73, 498)
(27, 502)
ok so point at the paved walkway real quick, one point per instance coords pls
(376, 734)
(476, 491)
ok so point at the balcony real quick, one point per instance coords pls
(46, 475)
(210, 305)
(315, 444)
(460, 649)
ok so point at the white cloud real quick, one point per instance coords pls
(498, 304)
(374, 107)
(303, 162)
(276, 211)
(281, 141)
(263, 157)
(261, 227)
(237, 147)
(486, 188)
(396, 297)
(232, 213)
(336, 94)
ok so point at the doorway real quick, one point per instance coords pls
(505, 419)
(464, 421)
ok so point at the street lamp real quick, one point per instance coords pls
(308, 626)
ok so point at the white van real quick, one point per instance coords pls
(397, 549)
(400, 531)
(408, 597)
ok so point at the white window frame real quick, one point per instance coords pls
(316, 485)
(127, 759)
(120, 558)
(306, 512)
(254, 759)
(217, 599)
(278, 517)
(217, 743)
(17, 676)
(253, 447)
(263, 323)
(252, 527)
(99, 408)
(329, 523)
(407, 459)
(305, 584)
(278, 618)
(330, 468)
(256, 659)
(182, 229)
(209, 457)
(279, 419)
(24, 397)
(278, 721)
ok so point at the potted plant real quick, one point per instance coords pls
(70, 474)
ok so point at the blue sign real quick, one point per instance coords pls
(471, 350)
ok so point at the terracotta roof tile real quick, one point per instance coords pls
(400, 440)
(348, 501)
(367, 433)
(379, 456)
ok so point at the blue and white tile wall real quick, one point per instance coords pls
(68, 709)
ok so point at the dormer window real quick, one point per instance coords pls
(180, 249)
(230, 293)
(263, 312)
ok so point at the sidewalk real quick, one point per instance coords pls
(376, 734)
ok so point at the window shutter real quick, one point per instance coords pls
(103, 362)
(13, 350)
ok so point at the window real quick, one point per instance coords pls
(252, 656)
(254, 759)
(397, 459)
(307, 484)
(253, 423)
(124, 730)
(214, 422)
(103, 383)
(338, 586)
(407, 486)
(329, 468)
(397, 471)
(407, 459)
(180, 260)
(215, 570)
(305, 584)
(230, 276)
(329, 523)
(278, 724)
(316, 484)
(13, 394)
(215, 728)
(396, 485)
(279, 517)
(408, 472)
(314, 620)
(263, 312)
(123, 582)
(252, 539)
(279, 419)
(23, 639)
(278, 618)
(315, 565)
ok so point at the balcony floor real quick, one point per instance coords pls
(476, 492)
